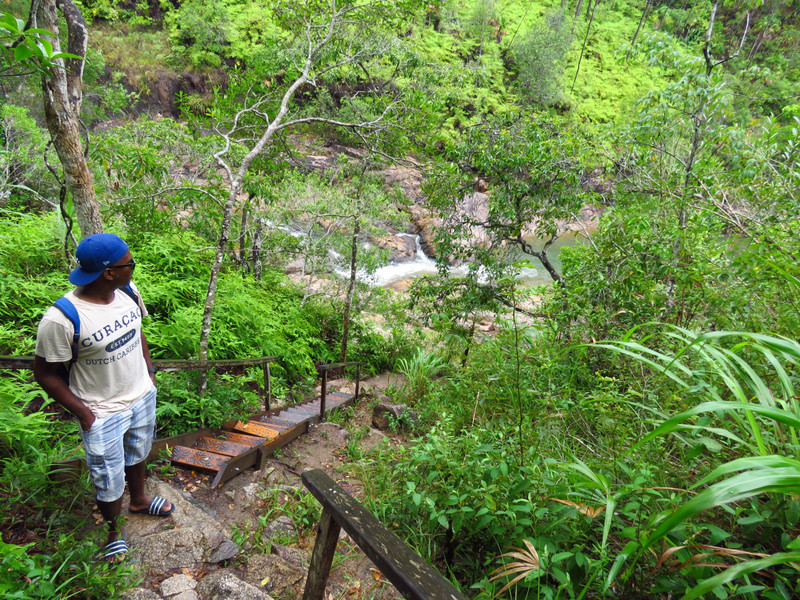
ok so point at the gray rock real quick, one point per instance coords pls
(176, 584)
(187, 595)
(223, 585)
(291, 555)
(272, 573)
(197, 536)
(225, 550)
(249, 495)
(140, 594)
(281, 525)
(386, 415)
(175, 549)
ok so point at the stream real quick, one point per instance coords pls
(423, 265)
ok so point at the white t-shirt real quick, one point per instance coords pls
(110, 374)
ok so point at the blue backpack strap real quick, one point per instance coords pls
(69, 310)
(129, 290)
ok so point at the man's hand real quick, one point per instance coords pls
(47, 376)
(86, 424)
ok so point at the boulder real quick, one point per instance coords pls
(290, 555)
(385, 416)
(223, 585)
(402, 248)
(197, 536)
(171, 549)
(176, 585)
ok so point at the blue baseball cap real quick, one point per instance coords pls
(94, 255)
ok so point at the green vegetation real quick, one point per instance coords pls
(630, 431)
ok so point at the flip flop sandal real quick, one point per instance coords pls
(115, 548)
(155, 508)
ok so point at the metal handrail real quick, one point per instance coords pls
(323, 371)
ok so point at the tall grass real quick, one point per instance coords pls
(745, 383)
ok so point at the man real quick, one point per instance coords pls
(111, 387)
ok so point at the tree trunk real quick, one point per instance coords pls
(213, 278)
(639, 28)
(583, 47)
(243, 235)
(578, 7)
(62, 95)
(351, 289)
(258, 238)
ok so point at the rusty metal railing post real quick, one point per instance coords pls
(323, 392)
(267, 386)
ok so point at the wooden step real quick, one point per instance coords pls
(241, 438)
(298, 412)
(218, 446)
(284, 421)
(198, 459)
(264, 419)
(259, 429)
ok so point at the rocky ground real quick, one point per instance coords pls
(252, 537)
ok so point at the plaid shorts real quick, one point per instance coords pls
(118, 441)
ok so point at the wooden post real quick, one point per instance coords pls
(358, 378)
(267, 386)
(323, 393)
(322, 557)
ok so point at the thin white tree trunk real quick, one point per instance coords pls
(351, 288)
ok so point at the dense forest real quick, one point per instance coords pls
(626, 426)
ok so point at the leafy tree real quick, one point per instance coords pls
(329, 39)
(541, 56)
(529, 166)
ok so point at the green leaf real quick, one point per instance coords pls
(739, 570)
(22, 52)
(739, 487)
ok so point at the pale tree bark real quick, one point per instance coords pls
(62, 95)
(255, 253)
(351, 287)
(317, 38)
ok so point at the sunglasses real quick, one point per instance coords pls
(131, 264)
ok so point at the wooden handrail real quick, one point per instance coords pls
(26, 362)
(349, 363)
(409, 573)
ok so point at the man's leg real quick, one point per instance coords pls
(111, 513)
(135, 474)
(138, 441)
(105, 458)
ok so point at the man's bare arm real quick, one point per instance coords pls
(47, 376)
(147, 359)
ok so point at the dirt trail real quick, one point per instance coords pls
(261, 510)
